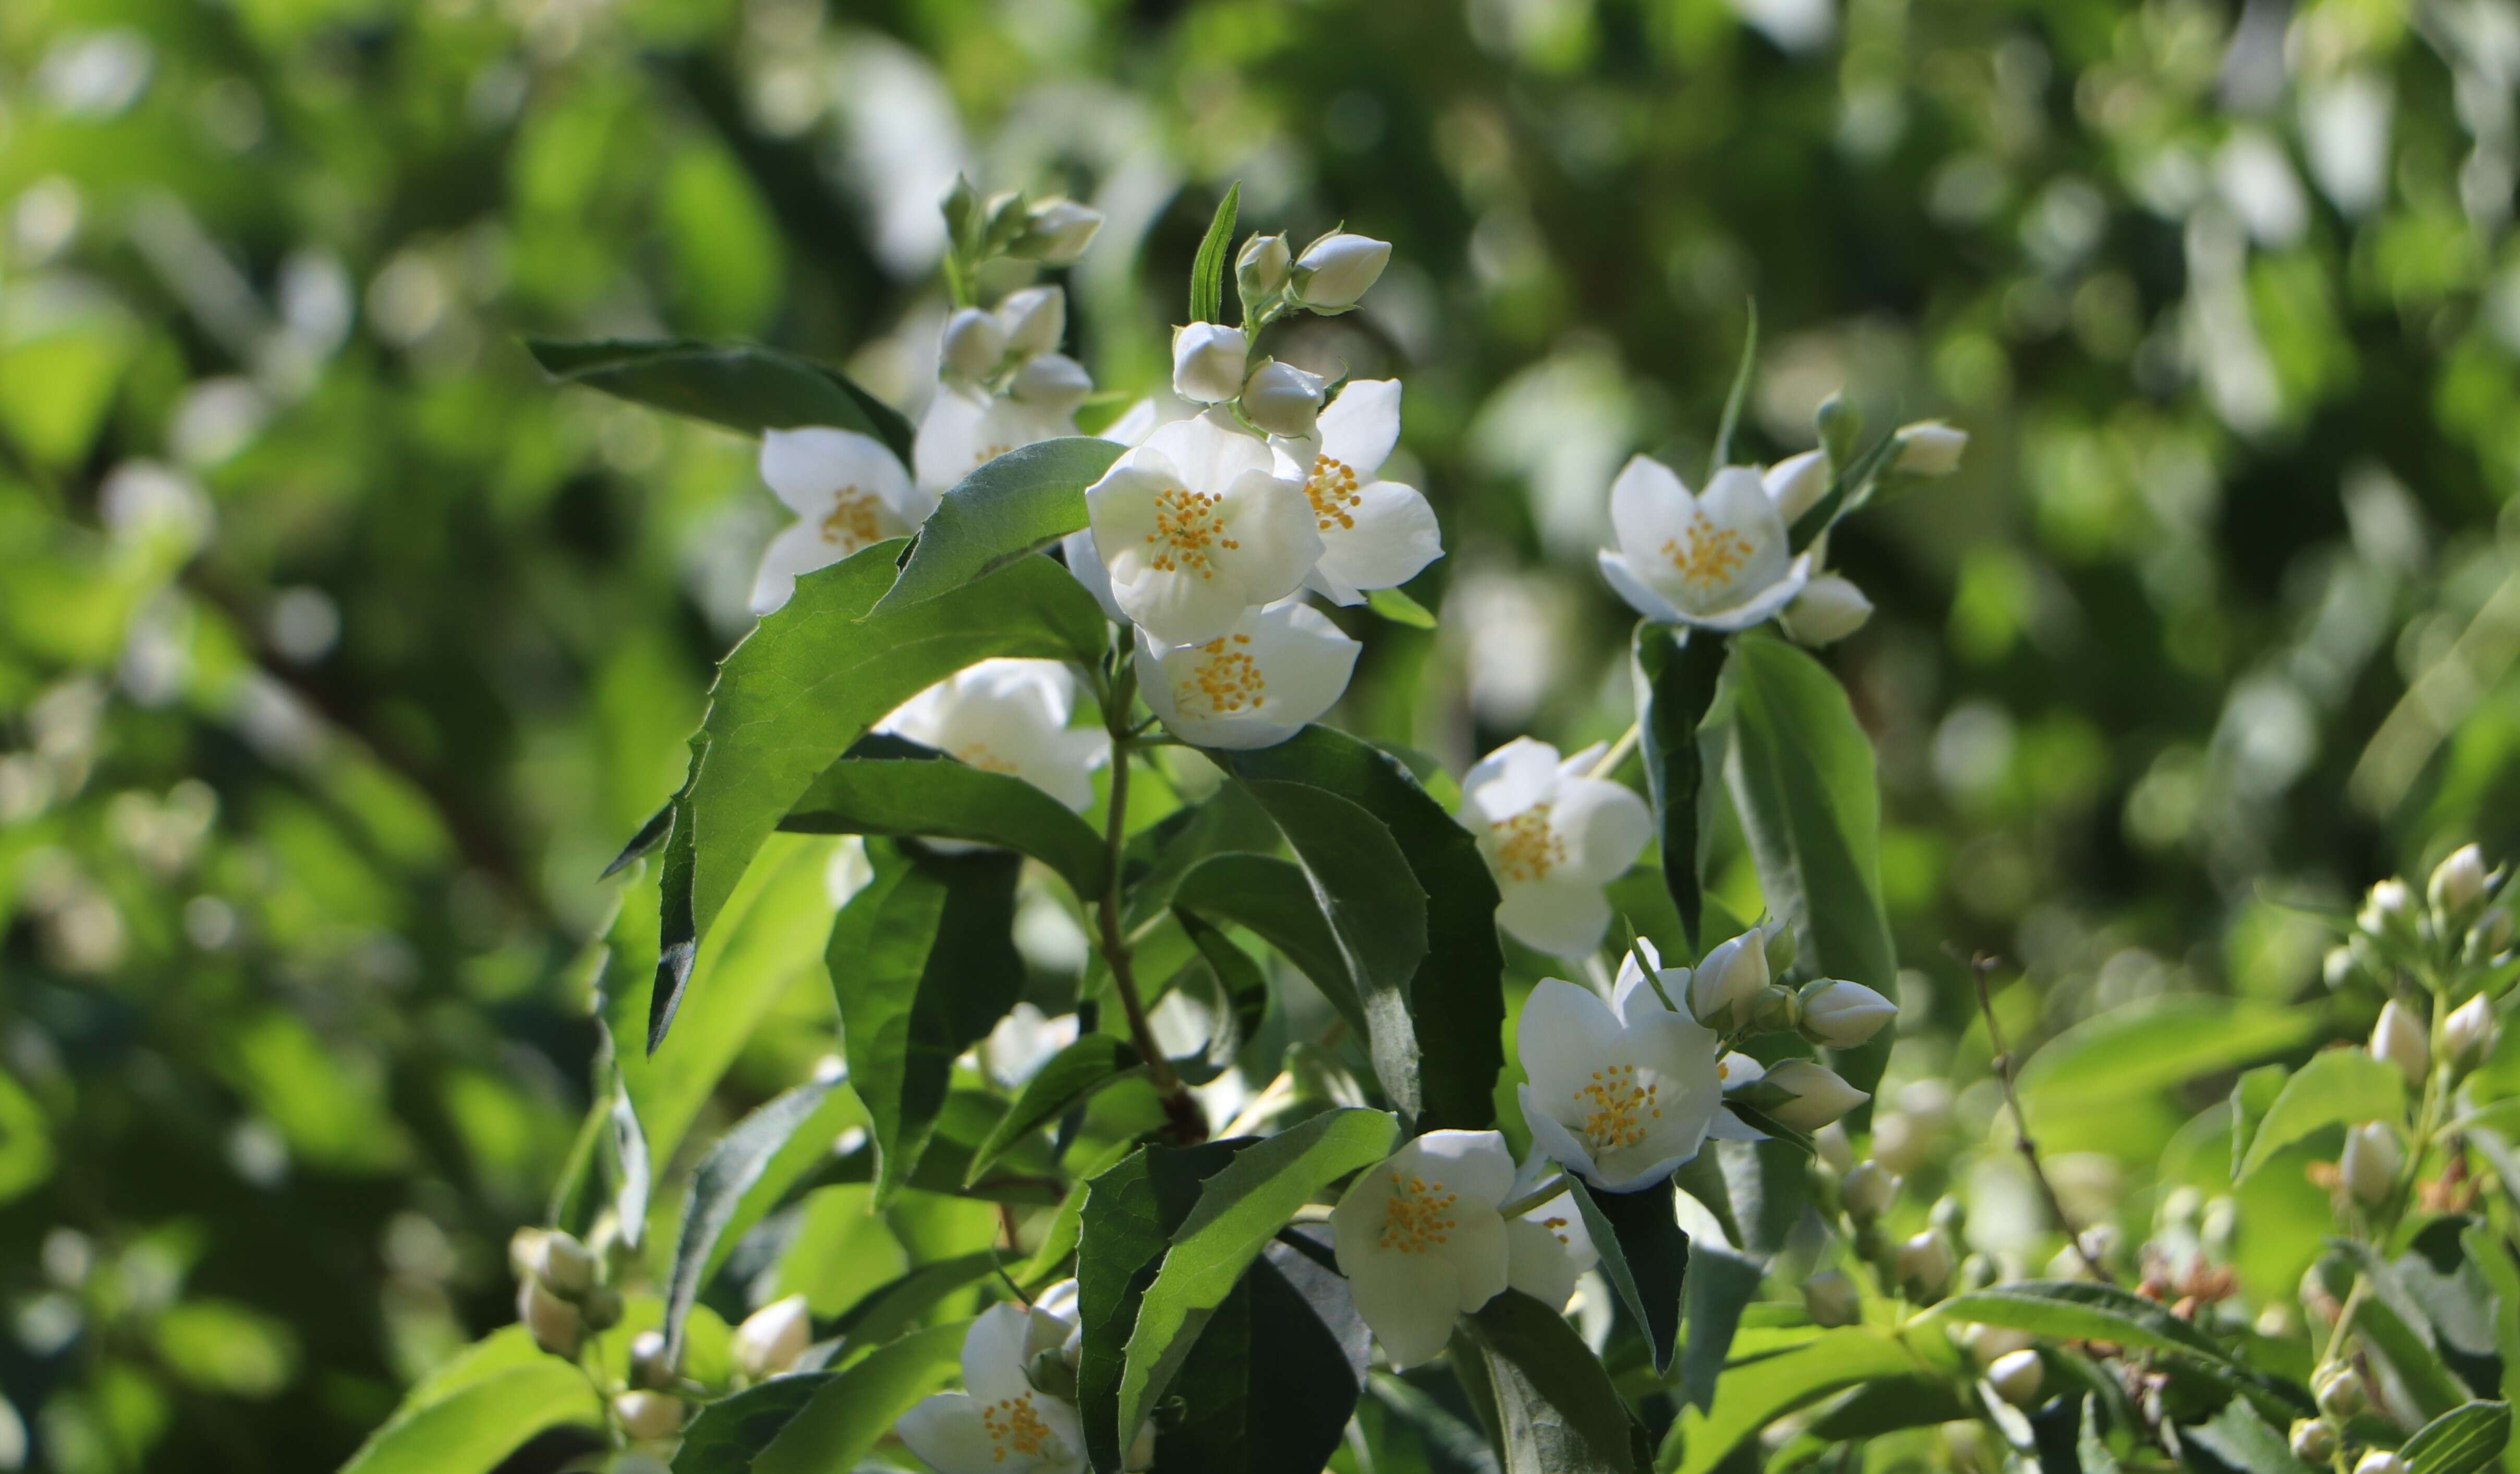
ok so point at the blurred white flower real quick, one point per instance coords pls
(1376, 534)
(1057, 231)
(1003, 386)
(1004, 1421)
(972, 344)
(2458, 881)
(1547, 1248)
(2371, 1161)
(848, 492)
(1334, 271)
(1198, 526)
(1929, 448)
(1842, 1015)
(1553, 838)
(965, 430)
(772, 1337)
(1255, 685)
(2401, 1039)
(1420, 1241)
(1828, 610)
(1619, 1093)
(2469, 1031)
(1717, 562)
(1208, 362)
(1008, 716)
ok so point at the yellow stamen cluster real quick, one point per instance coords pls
(1226, 679)
(1333, 493)
(1188, 532)
(1616, 1108)
(852, 522)
(1552, 1225)
(1712, 554)
(979, 755)
(1015, 1428)
(1526, 848)
(1415, 1218)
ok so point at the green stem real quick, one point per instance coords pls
(1180, 1109)
(1543, 1193)
(1619, 749)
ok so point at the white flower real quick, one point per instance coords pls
(1057, 231)
(2458, 881)
(2469, 1031)
(2400, 1039)
(1376, 534)
(1006, 386)
(1008, 716)
(772, 1337)
(1843, 1015)
(1198, 526)
(1553, 838)
(1549, 1248)
(1717, 561)
(1724, 986)
(973, 345)
(1336, 269)
(849, 491)
(1254, 686)
(1283, 399)
(1819, 1094)
(1829, 610)
(965, 429)
(1208, 361)
(1001, 1422)
(2387, 908)
(1929, 448)
(2371, 1160)
(1420, 1241)
(1620, 1094)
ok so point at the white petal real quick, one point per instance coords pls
(1389, 535)
(1737, 549)
(1546, 1250)
(799, 548)
(1505, 783)
(1551, 1135)
(948, 443)
(995, 1354)
(1564, 917)
(1210, 452)
(1254, 686)
(1086, 564)
(1347, 596)
(1410, 1302)
(1273, 524)
(1634, 997)
(1564, 1034)
(946, 1431)
(1362, 424)
(1759, 607)
(1471, 1163)
(1649, 505)
(1796, 483)
(1638, 595)
(1604, 826)
(811, 468)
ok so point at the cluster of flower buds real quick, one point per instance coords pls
(1212, 363)
(1053, 231)
(1012, 350)
(2459, 921)
(1735, 992)
(560, 1295)
(2342, 1397)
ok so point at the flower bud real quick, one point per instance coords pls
(1836, 1153)
(2336, 969)
(1842, 1015)
(555, 1325)
(961, 207)
(1052, 1372)
(1820, 1096)
(2380, 1461)
(1336, 269)
(2312, 1442)
(973, 345)
(1262, 270)
(1867, 1192)
(2220, 1228)
(2399, 1039)
(1929, 448)
(1832, 1299)
(650, 1417)
(1057, 231)
(1724, 987)
(1782, 947)
(602, 1308)
(2490, 936)
(1283, 399)
(2339, 1390)
(1948, 1214)
(2469, 1031)
(1901, 1142)
(2370, 1162)
(2015, 1377)
(1840, 424)
(2388, 911)
(1924, 1264)
(564, 1265)
(1990, 1344)
(524, 1250)
(1828, 610)
(648, 1365)
(1775, 1011)
(2458, 882)
(1052, 382)
(1034, 320)
(772, 1337)
(1207, 362)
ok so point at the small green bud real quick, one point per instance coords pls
(603, 1307)
(1774, 1009)
(2312, 1442)
(1783, 948)
(2340, 1392)
(1840, 423)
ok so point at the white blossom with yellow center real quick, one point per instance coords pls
(1718, 561)
(1420, 1240)
(1003, 1422)
(1376, 534)
(1008, 716)
(1621, 1094)
(848, 492)
(1255, 685)
(1680, 984)
(1198, 525)
(1547, 1248)
(1553, 838)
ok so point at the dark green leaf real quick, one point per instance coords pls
(854, 1408)
(2056, 1436)
(742, 386)
(1754, 1394)
(1886, 1404)
(1701, 1177)
(1769, 1184)
(1228, 822)
(1850, 479)
(2336, 1087)
(651, 835)
(1721, 1284)
(1069, 1078)
(467, 1418)
(2241, 1437)
(1272, 899)
(2462, 1441)
(1555, 1410)
(1645, 1256)
(1241, 1002)
(2079, 1310)
(1267, 1387)
(905, 791)
(1680, 671)
(880, 1320)
(1013, 506)
(2393, 1325)
(719, 1184)
(730, 1431)
(1128, 1217)
(1207, 268)
(2253, 1095)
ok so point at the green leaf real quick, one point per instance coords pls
(1680, 671)
(1128, 1217)
(2338, 1087)
(923, 965)
(1400, 609)
(730, 1431)
(1267, 1387)
(742, 386)
(1207, 268)
(804, 686)
(2493, 1263)
(1754, 1394)
(1241, 999)
(636, 1172)
(1645, 1256)
(853, 1409)
(470, 1421)
(1228, 823)
(719, 1186)
(882, 1317)
(1800, 770)
(1850, 480)
(2394, 1326)
(898, 789)
(1272, 898)
(1457, 988)
(1738, 395)
(2253, 1095)
(1239, 1209)
(2462, 1441)
(1556, 1412)
(2238, 1436)
(2066, 1309)
(1013, 506)
(1721, 1284)
(2151, 1045)
(1069, 1078)
(1769, 1184)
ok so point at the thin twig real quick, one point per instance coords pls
(1979, 967)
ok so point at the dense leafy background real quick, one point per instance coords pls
(338, 652)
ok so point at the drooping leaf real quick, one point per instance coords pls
(1721, 1284)
(852, 1411)
(1738, 394)
(727, 1433)
(892, 788)
(2241, 1437)
(1266, 1388)
(2081, 1311)
(470, 1416)
(1012, 507)
(718, 1187)
(1554, 1410)
(1130, 1212)
(1678, 672)
(743, 386)
(1207, 268)
(1239, 1209)
(1645, 1256)
(884, 1315)
(1068, 1079)
(806, 1153)
(923, 965)
(1272, 898)
(1754, 1394)
(2462, 1441)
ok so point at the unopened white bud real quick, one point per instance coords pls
(1264, 266)
(554, 1323)
(1990, 1344)
(2015, 1377)
(1836, 1153)
(2339, 1391)
(2371, 1161)
(1901, 1142)
(1336, 269)
(772, 1337)
(1832, 1299)
(648, 1365)
(1052, 383)
(1057, 231)
(2399, 1039)
(2388, 909)
(2458, 882)
(1929, 448)
(973, 345)
(2312, 1442)
(1842, 1015)
(1820, 1095)
(1207, 362)
(524, 1250)
(1867, 1192)
(1723, 988)
(2336, 969)
(564, 1265)
(1828, 610)
(650, 1417)
(2469, 1031)
(1034, 320)
(1924, 1263)
(2380, 1461)
(1283, 399)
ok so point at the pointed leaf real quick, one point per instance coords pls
(854, 1408)
(2338, 1087)
(1721, 1284)
(898, 789)
(1069, 1078)
(1013, 506)
(1128, 1217)
(2462, 1441)
(1554, 1410)
(1678, 672)
(718, 1187)
(1267, 1387)
(742, 386)
(1645, 1256)
(1274, 900)
(1738, 394)
(1207, 268)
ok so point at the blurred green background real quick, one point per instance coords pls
(338, 652)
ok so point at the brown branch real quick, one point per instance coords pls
(1979, 967)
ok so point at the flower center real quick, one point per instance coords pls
(1616, 1108)
(1711, 554)
(1553, 1225)
(1333, 494)
(1226, 679)
(1526, 848)
(1415, 1218)
(852, 522)
(979, 755)
(1015, 1428)
(1188, 532)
